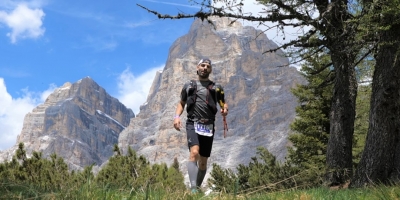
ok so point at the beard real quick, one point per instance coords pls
(203, 74)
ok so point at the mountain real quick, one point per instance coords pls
(257, 90)
(80, 122)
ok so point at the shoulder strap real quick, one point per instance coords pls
(193, 90)
(192, 96)
(211, 85)
(193, 87)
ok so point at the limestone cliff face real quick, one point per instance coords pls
(257, 89)
(79, 122)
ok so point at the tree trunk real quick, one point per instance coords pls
(342, 114)
(380, 160)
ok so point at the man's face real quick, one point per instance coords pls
(204, 70)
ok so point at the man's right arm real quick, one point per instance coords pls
(178, 112)
(179, 108)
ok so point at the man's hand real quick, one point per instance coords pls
(177, 124)
(178, 112)
(224, 112)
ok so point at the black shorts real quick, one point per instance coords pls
(205, 143)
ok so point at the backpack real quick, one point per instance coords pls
(211, 97)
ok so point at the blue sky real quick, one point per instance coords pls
(46, 43)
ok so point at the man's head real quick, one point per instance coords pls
(204, 68)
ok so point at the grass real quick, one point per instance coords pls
(90, 191)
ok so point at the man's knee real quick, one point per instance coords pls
(202, 166)
(203, 163)
(194, 152)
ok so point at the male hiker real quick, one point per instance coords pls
(201, 97)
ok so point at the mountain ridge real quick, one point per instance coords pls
(257, 90)
(79, 122)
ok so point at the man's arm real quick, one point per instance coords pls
(178, 112)
(221, 100)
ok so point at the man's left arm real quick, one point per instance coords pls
(221, 100)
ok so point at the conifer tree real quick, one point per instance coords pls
(263, 173)
(133, 171)
(379, 163)
(175, 164)
(222, 179)
(311, 127)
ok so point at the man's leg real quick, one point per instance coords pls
(202, 170)
(204, 153)
(192, 166)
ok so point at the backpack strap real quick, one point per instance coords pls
(209, 88)
(193, 83)
(192, 94)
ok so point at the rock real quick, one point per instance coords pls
(257, 90)
(79, 122)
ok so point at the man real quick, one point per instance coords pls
(201, 97)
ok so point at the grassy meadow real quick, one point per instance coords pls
(93, 191)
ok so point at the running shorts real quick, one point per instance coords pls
(205, 143)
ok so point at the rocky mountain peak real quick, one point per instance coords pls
(79, 122)
(257, 89)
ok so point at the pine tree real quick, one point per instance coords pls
(379, 163)
(311, 127)
(263, 173)
(133, 171)
(175, 164)
(222, 180)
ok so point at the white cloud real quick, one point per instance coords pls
(13, 111)
(133, 90)
(23, 21)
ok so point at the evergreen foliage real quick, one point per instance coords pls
(26, 176)
(122, 171)
(306, 161)
(365, 70)
(175, 164)
(311, 127)
(361, 123)
(263, 174)
(223, 179)
(349, 31)
(133, 171)
(47, 175)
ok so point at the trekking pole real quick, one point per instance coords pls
(220, 95)
(225, 127)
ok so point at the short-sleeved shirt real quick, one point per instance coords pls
(201, 109)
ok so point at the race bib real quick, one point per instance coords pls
(204, 129)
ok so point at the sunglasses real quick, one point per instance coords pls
(205, 65)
